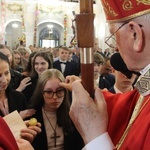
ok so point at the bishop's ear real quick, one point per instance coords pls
(137, 36)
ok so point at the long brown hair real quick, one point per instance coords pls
(46, 57)
(12, 64)
(37, 99)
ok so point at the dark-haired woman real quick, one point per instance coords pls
(41, 62)
(10, 99)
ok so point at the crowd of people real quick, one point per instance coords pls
(32, 88)
(45, 83)
(119, 121)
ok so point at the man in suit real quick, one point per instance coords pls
(107, 53)
(122, 83)
(76, 58)
(106, 72)
(74, 63)
(99, 80)
(62, 64)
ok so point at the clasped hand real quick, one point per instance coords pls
(27, 136)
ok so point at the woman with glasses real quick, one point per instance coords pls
(19, 61)
(50, 100)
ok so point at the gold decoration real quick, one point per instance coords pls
(145, 2)
(127, 5)
(35, 25)
(109, 10)
(22, 38)
(65, 29)
(15, 7)
(50, 9)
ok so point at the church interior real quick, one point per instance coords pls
(45, 23)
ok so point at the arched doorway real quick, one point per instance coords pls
(49, 37)
(13, 33)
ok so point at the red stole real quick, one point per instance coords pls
(7, 140)
(120, 108)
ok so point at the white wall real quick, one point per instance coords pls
(56, 16)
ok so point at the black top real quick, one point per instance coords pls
(70, 68)
(73, 141)
(112, 90)
(29, 90)
(16, 78)
(103, 83)
(16, 101)
(111, 79)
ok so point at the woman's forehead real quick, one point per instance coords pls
(4, 66)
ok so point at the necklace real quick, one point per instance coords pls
(54, 128)
(137, 110)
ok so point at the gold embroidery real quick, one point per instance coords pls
(145, 2)
(136, 112)
(130, 17)
(127, 5)
(143, 83)
(109, 10)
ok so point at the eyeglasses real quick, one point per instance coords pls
(112, 37)
(50, 94)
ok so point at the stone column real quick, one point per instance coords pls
(29, 38)
(29, 19)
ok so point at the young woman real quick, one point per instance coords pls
(41, 62)
(16, 77)
(28, 70)
(52, 110)
(10, 99)
(17, 82)
(20, 66)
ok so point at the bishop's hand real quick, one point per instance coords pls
(89, 115)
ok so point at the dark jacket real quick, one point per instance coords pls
(112, 90)
(103, 83)
(29, 90)
(16, 78)
(70, 68)
(71, 142)
(76, 59)
(16, 101)
(111, 79)
(19, 68)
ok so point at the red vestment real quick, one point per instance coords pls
(120, 109)
(7, 140)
